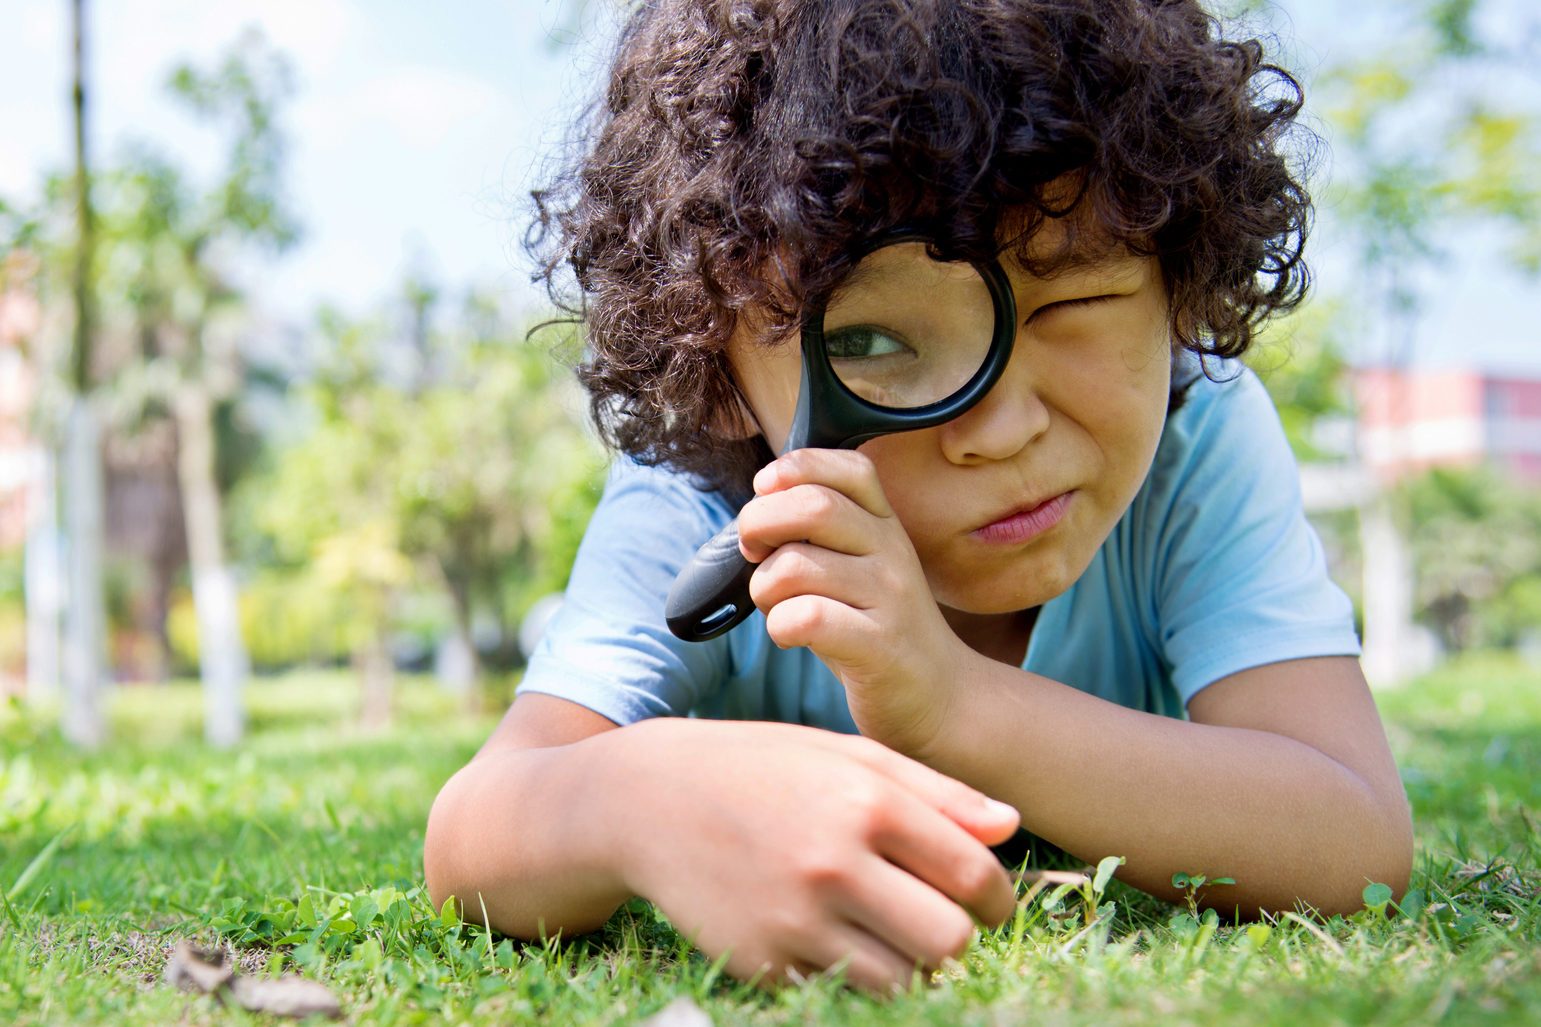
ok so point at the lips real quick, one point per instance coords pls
(1025, 522)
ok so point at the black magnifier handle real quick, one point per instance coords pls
(711, 594)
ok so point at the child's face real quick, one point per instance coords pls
(1073, 423)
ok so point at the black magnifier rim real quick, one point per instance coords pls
(844, 419)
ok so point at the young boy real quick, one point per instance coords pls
(1090, 605)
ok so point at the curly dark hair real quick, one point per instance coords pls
(746, 150)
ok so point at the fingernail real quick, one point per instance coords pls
(763, 477)
(1002, 808)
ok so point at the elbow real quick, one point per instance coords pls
(440, 869)
(1397, 846)
(1330, 881)
(451, 870)
(1381, 854)
(477, 860)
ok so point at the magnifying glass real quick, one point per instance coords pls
(904, 342)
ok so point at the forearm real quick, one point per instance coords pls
(1284, 820)
(526, 834)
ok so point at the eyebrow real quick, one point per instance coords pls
(1088, 252)
(1109, 262)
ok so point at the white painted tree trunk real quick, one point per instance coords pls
(222, 660)
(85, 622)
(377, 675)
(1388, 595)
(44, 571)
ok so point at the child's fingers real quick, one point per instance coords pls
(805, 513)
(844, 470)
(982, 817)
(908, 913)
(937, 849)
(838, 632)
(868, 961)
(800, 568)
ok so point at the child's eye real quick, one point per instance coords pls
(1083, 301)
(861, 342)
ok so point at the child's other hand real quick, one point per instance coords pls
(839, 575)
(793, 849)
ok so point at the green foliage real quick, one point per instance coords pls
(1475, 536)
(1425, 147)
(165, 242)
(18, 229)
(1300, 360)
(243, 93)
(284, 622)
(13, 612)
(466, 474)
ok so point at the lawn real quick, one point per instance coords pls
(301, 851)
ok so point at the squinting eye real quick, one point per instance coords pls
(1084, 301)
(861, 342)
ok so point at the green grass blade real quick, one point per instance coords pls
(35, 867)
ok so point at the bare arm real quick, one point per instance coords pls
(1282, 780)
(787, 848)
(515, 830)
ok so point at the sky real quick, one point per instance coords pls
(418, 129)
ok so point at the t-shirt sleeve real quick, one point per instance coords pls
(1241, 575)
(608, 647)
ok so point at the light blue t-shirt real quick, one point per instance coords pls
(1213, 569)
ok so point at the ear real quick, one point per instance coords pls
(735, 421)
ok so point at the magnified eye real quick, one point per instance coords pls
(861, 342)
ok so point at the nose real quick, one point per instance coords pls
(1008, 418)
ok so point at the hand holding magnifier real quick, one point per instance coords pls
(904, 342)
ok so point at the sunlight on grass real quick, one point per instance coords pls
(302, 850)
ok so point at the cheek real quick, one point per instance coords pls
(768, 377)
(1119, 394)
(1143, 382)
(904, 465)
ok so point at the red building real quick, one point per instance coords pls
(1413, 419)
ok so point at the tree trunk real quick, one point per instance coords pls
(85, 630)
(44, 579)
(377, 678)
(1388, 594)
(221, 655)
(463, 682)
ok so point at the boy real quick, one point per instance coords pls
(1090, 605)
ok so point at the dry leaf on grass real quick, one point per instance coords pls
(197, 970)
(289, 995)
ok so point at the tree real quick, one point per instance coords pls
(1477, 547)
(174, 247)
(1426, 147)
(85, 633)
(1431, 139)
(153, 260)
(452, 481)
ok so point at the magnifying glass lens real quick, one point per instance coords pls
(906, 331)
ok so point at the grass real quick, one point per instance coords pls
(301, 850)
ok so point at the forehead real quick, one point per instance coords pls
(1075, 245)
(1053, 253)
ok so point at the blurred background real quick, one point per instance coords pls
(268, 404)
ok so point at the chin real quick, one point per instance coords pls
(1008, 590)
